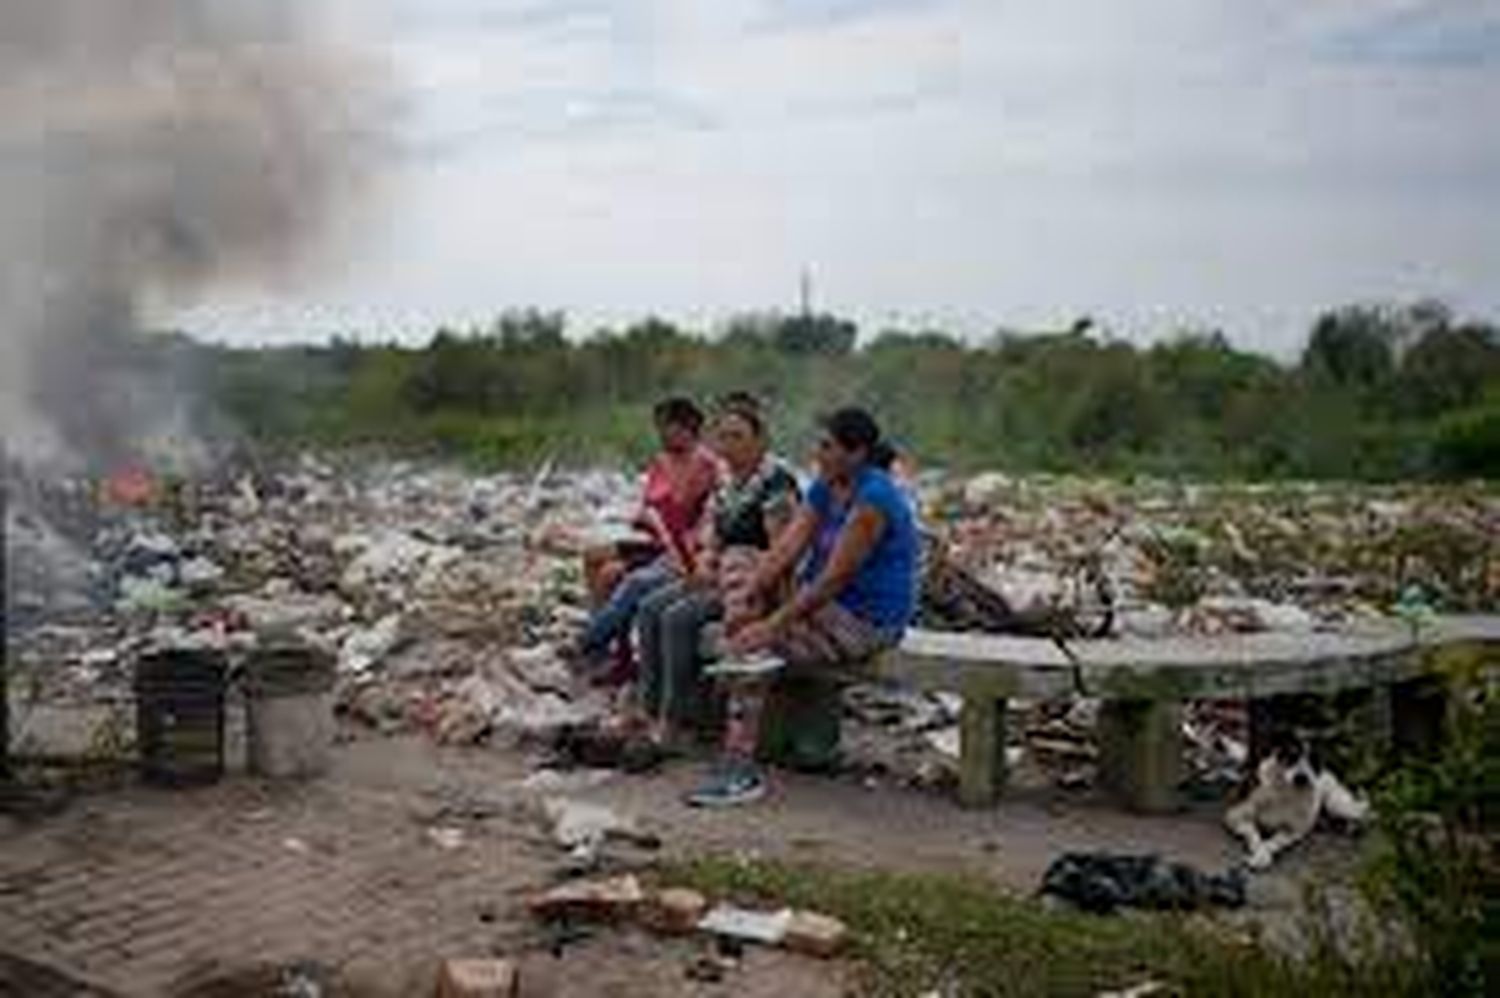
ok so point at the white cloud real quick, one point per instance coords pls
(986, 162)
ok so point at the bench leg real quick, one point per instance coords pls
(981, 774)
(1140, 752)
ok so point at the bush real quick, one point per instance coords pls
(1467, 444)
(1438, 865)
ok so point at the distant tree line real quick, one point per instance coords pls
(1379, 392)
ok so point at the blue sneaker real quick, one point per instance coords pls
(729, 786)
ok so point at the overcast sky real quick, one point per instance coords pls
(1235, 164)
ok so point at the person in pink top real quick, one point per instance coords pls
(678, 484)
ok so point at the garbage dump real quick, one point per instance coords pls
(444, 595)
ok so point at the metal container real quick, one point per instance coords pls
(180, 716)
(289, 711)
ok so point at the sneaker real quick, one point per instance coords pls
(729, 787)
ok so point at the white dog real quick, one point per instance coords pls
(1289, 794)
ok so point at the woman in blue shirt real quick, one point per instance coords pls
(856, 539)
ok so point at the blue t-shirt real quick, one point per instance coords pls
(884, 591)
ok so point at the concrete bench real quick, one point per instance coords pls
(1142, 684)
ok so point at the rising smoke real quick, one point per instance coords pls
(151, 148)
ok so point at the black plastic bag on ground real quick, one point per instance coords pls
(1103, 882)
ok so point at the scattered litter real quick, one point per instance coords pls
(366, 648)
(612, 900)
(711, 968)
(582, 829)
(766, 927)
(746, 667)
(1143, 990)
(446, 838)
(1104, 882)
(579, 821)
(556, 782)
(296, 845)
(595, 747)
(945, 741)
(478, 978)
(445, 594)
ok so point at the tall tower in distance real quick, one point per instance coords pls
(804, 293)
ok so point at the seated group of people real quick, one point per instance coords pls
(820, 580)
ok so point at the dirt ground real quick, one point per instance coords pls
(407, 853)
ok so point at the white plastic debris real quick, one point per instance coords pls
(446, 838)
(366, 648)
(765, 927)
(200, 573)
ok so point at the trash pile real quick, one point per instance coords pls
(445, 595)
(1199, 559)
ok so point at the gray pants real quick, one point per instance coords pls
(669, 626)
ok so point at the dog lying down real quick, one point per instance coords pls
(1101, 882)
(1291, 791)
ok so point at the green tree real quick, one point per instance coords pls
(1352, 347)
(1449, 368)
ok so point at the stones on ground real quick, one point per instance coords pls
(478, 978)
(674, 911)
(617, 899)
(815, 935)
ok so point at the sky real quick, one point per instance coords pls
(967, 164)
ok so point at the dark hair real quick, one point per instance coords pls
(747, 407)
(854, 428)
(678, 411)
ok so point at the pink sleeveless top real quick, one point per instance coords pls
(682, 508)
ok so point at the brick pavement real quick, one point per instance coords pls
(141, 891)
(144, 891)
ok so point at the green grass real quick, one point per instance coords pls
(919, 933)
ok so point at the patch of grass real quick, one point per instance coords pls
(916, 934)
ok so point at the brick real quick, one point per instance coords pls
(814, 934)
(675, 910)
(611, 900)
(478, 979)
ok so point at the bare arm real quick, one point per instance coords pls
(779, 516)
(855, 542)
(706, 565)
(787, 548)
